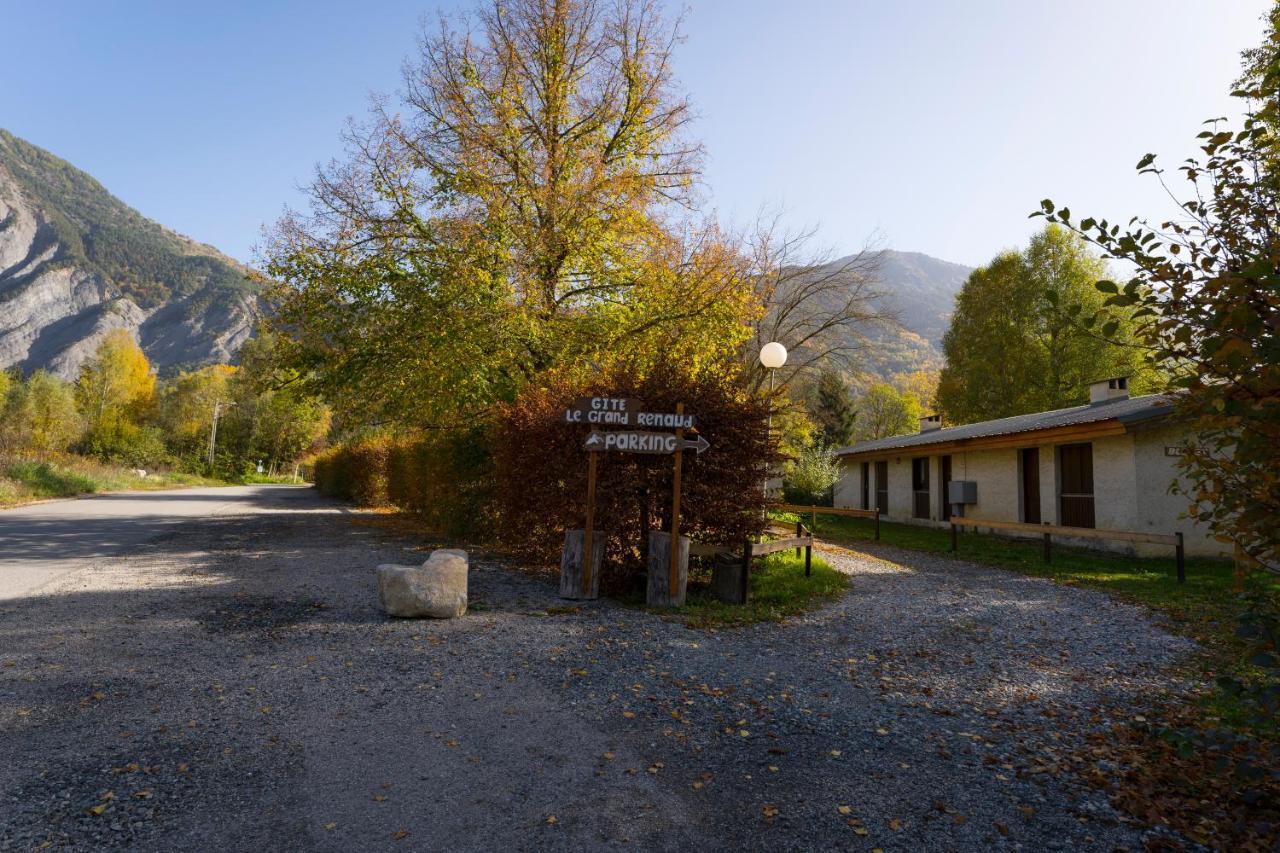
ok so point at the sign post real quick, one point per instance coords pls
(599, 413)
(588, 553)
(673, 574)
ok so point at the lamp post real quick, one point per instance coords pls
(772, 356)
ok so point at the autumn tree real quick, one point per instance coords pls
(113, 391)
(1013, 346)
(884, 411)
(184, 410)
(510, 213)
(38, 416)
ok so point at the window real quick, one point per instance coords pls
(866, 485)
(1075, 473)
(920, 487)
(882, 487)
(1030, 465)
(944, 508)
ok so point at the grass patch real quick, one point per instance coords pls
(779, 589)
(23, 481)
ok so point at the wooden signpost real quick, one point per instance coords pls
(626, 412)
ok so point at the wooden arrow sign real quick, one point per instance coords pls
(643, 442)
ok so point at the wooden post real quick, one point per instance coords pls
(878, 525)
(799, 533)
(673, 574)
(808, 557)
(954, 543)
(1181, 557)
(745, 580)
(591, 523)
(1048, 549)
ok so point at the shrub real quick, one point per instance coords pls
(540, 468)
(445, 478)
(355, 472)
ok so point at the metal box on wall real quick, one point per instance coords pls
(959, 493)
(962, 492)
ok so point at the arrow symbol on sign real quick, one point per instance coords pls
(594, 441)
(698, 444)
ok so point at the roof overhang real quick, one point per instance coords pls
(1027, 438)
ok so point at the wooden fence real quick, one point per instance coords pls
(815, 511)
(1048, 531)
(802, 542)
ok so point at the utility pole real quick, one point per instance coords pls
(213, 430)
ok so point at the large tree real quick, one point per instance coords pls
(1205, 285)
(114, 389)
(1014, 346)
(884, 411)
(513, 212)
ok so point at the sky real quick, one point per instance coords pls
(923, 126)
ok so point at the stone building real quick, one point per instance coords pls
(1107, 465)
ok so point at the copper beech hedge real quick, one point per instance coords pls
(540, 468)
(443, 478)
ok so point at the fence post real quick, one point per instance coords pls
(746, 569)
(877, 524)
(1181, 556)
(808, 557)
(799, 533)
(1048, 549)
(954, 544)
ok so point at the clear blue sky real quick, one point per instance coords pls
(940, 125)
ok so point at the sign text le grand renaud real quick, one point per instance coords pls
(623, 412)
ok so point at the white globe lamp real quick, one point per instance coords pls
(773, 355)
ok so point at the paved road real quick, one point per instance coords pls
(42, 542)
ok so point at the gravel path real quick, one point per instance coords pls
(233, 686)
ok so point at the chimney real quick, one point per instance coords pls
(1106, 390)
(930, 422)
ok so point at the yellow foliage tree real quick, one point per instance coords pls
(114, 390)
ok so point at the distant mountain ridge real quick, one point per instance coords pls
(920, 290)
(76, 262)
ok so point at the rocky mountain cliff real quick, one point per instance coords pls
(76, 262)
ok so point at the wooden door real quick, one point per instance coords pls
(1075, 469)
(882, 487)
(866, 485)
(920, 487)
(1031, 485)
(944, 511)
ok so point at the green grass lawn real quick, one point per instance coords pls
(70, 476)
(779, 588)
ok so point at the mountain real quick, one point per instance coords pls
(76, 262)
(919, 291)
(922, 289)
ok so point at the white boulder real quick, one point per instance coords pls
(437, 588)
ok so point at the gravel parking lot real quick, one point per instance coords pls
(231, 684)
